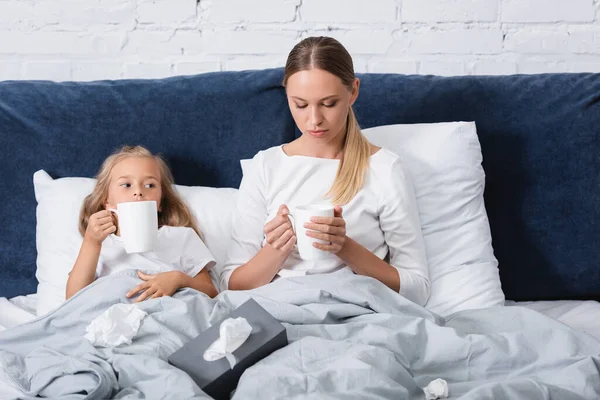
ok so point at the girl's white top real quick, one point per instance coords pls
(177, 249)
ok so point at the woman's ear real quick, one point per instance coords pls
(355, 90)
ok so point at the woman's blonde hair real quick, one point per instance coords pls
(330, 55)
(174, 211)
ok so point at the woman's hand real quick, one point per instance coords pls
(328, 229)
(159, 285)
(100, 225)
(279, 232)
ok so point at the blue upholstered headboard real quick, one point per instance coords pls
(539, 135)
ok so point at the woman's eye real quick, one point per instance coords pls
(301, 106)
(126, 185)
(330, 105)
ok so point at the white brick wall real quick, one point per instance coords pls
(112, 39)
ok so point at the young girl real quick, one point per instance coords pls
(180, 260)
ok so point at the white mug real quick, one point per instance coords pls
(301, 215)
(138, 225)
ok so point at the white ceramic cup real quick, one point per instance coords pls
(301, 215)
(138, 225)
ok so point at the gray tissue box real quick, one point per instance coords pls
(216, 378)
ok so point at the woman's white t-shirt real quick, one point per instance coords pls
(178, 248)
(382, 217)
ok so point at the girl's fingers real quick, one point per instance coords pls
(107, 225)
(138, 288)
(145, 295)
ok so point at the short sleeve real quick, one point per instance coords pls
(195, 255)
(249, 219)
(400, 223)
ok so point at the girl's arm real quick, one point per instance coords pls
(99, 227)
(200, 282)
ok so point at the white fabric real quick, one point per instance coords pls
(382, 217)
(444, 162)
(17, 311)
(233, 332)
(580, 315)
(437, 389)
(115, 326)
(177, 249)
(58, 239)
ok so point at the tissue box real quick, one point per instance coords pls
(216, 378)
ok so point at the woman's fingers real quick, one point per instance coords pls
(274, 235)
(290, 243)
(283, 239)
(326, 237)
(331, 247)
(275, 223)
(329, 229)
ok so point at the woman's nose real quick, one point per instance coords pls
(315, 117)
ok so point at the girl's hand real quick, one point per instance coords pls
(100, 225)
(279, 232)
(154, 286)
(328, 229)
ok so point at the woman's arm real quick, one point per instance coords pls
(363, 262)
(399, 220)
(249, 263)
(358, 258)
(262, 268)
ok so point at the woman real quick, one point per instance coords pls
(375, 214)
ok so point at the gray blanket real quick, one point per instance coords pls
(350, 338)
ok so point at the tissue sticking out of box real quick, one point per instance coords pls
(233, 332)
(115, 326)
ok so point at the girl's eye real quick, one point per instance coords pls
(126, 185)
(150, 185)
(330, 105)
(301, 106)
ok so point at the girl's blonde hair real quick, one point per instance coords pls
(330, 55)
(174, 211)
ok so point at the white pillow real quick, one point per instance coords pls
(58, 239)
(444, 162)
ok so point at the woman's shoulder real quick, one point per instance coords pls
(267, 156)
(384, 158)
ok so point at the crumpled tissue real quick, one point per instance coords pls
(115, 326)
(233, 332)
(437, 389)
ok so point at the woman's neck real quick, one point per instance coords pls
(307, 147)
